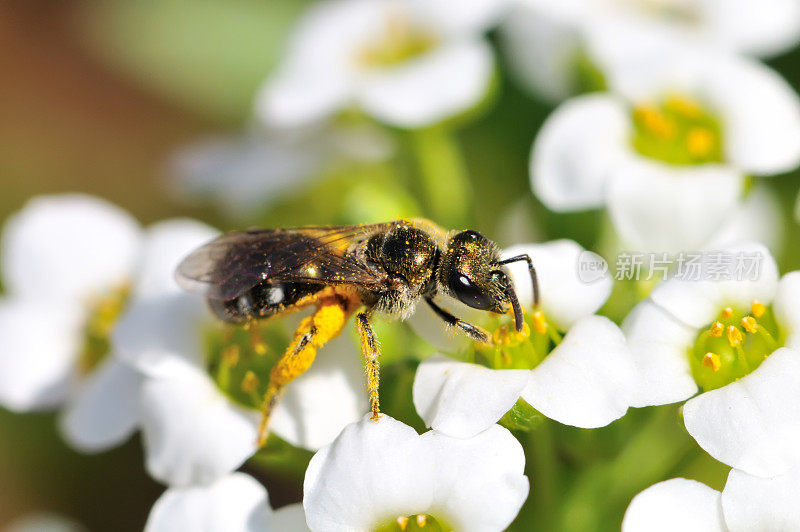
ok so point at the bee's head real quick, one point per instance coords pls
(472, 272)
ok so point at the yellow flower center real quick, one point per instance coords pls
(510, 349)
(734, 345)
(678, 131)
(685, 11)
(239, 360)
(413, 523)
(399, 41)
(103, 315)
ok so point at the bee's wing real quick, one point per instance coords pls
(238, 261)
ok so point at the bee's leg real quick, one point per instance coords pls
(372, 365)
(473, 331)
(314, 331)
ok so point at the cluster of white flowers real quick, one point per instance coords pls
(92, 321)
(683, 118)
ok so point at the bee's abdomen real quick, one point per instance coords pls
(263, 301)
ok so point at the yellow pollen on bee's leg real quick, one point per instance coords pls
(712, 360)
(539, 322)
(402, 522)
(422, 520)
(758, 309)
(314, 331)
(716, 329)
(250, 382)
(735, 336)
(699, 142)
(727, 313)
(750, 324)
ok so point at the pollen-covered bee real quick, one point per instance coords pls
(342, 270)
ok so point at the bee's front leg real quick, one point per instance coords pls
(372, 354)
(314, 331)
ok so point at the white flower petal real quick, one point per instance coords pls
(760, 219)
(461, 399)
(68, 246)
(659, 344)
(234, 503)
(39, 345)
(325, 399)
(564, 296)
(461, 17)
(300, 99)
(542, 50)
(158, 335)
(315, 79)
(760, 113)
(289, 518)
(787, 308)
(588, 380)
(754, 503)
(192, 433)
(696, 301)
(766, 27)
(664, 208)
(479, 482)
(105, 411)
(448, 80)
(675, 504)
(752, 424)
(245, 173)
(575, 151)
(381, 462)
(165, 245)
(401, 474)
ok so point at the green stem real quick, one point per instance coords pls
(542, 468)
(601, 493)
(443, 174)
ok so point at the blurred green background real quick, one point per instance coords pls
(96, 95)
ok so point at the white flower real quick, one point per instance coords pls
(551, 45)
(586, 380)
(251, 171)
(668, 150)
(409, 63)
(233, 503)
(192, 431)
(736, 340)
(381, 473)
(746, 504)
(66, 262)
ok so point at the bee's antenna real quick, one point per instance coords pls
(512, 297)
(531, 270)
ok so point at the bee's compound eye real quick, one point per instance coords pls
(468, 293)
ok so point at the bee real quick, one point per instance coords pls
(342, 271)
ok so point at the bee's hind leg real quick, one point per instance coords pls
(314, 331)
(372, 354)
